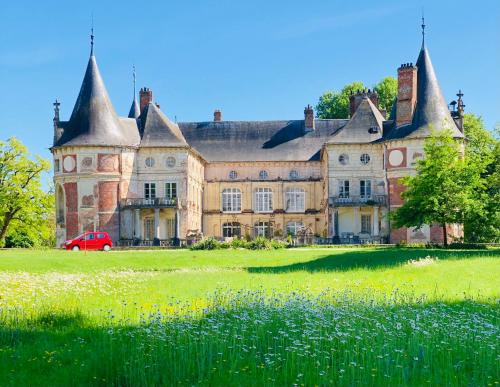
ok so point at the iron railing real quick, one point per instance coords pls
(149, 203)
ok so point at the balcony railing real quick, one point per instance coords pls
(357, 200)
(149, 203)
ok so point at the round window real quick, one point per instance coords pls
(344, 159)
(365, 158)
(170, 162)
(233, 175)
(263, 175)
(150, 162)
(294, 174)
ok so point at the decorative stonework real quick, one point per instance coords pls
(397, 158)
(108, 163)
(69, 163)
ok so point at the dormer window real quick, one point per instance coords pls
(373, 130)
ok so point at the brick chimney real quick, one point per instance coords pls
(308, 118)
(145, 97)
(356, 98)
(217, 115)
(407, 93)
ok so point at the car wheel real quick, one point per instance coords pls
(75, 248)
(106, 247)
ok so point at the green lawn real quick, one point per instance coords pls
(237, 317)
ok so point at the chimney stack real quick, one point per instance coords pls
(407, 93)
(309, 118)
(145, 97)
(217, 115)
(356, 98)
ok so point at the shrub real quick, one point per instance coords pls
(472, 246)
(207, 244)
(238, 243)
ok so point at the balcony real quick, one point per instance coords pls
(148, 203)
(354, 201)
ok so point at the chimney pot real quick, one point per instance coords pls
(145, 97)
(309, 118)
(217, 115)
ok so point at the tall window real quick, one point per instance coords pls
(149, 228)
(366, 224)
(294, 200)
(171, 190)
(231, 200)
(170, 228)
(263, 229)
(293, 227)
(365, 189)
(231, 229)
(263, 200)
(150, 190)
(344, 188)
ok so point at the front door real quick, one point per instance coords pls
(149, 229)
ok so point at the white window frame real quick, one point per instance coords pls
(230, 227)
(262, 228)
(365, 189)
(171, 189)
(150, 190)
(263, 199)
(344, 188)
(295, 199)
(293, 227)
(231, 200)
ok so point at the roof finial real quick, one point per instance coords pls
(423, 28)
(92, 36)
(133, 75)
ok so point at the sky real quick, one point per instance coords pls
(254, 60)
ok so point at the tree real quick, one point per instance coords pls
(333, 104)
(387, 90)
(22, 200)
(482, 151)
(442, 189)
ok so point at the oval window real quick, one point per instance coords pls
(294, 174)
(263, 175)
(170, 162)
(365, 158)
(150, 162)
(344, 159)
(233, 175)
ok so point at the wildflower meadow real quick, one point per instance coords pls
(297, 317)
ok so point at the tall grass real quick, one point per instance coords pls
(257, 339)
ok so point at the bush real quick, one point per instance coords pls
(20, 239)
(238, 243)
(207, 244)
(261, 243)
(471, 246)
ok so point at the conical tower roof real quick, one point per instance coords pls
(431, 110)
(94, 120)
(158, 130)
(365, 125)
(134, 111)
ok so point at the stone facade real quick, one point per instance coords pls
(146, 178)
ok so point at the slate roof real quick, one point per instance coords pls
(134, 111)
(94, 120)
(366, 125)
(259, 140)
(158, 130)
(431, 110)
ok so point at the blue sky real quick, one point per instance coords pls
(253, 59)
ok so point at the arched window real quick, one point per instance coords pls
(233, 175)
(263, 175)
(295, 200)
(60, 204)
(263, 229)
(293, 227)
(263, 200)
(231, 200)
(231, 230)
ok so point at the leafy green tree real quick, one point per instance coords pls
(442, 191)
(482, 151)
(23, 203)
(387, 90)
(333, 104)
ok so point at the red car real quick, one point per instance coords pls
(90, 241)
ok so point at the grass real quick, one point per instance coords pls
(237, 317)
